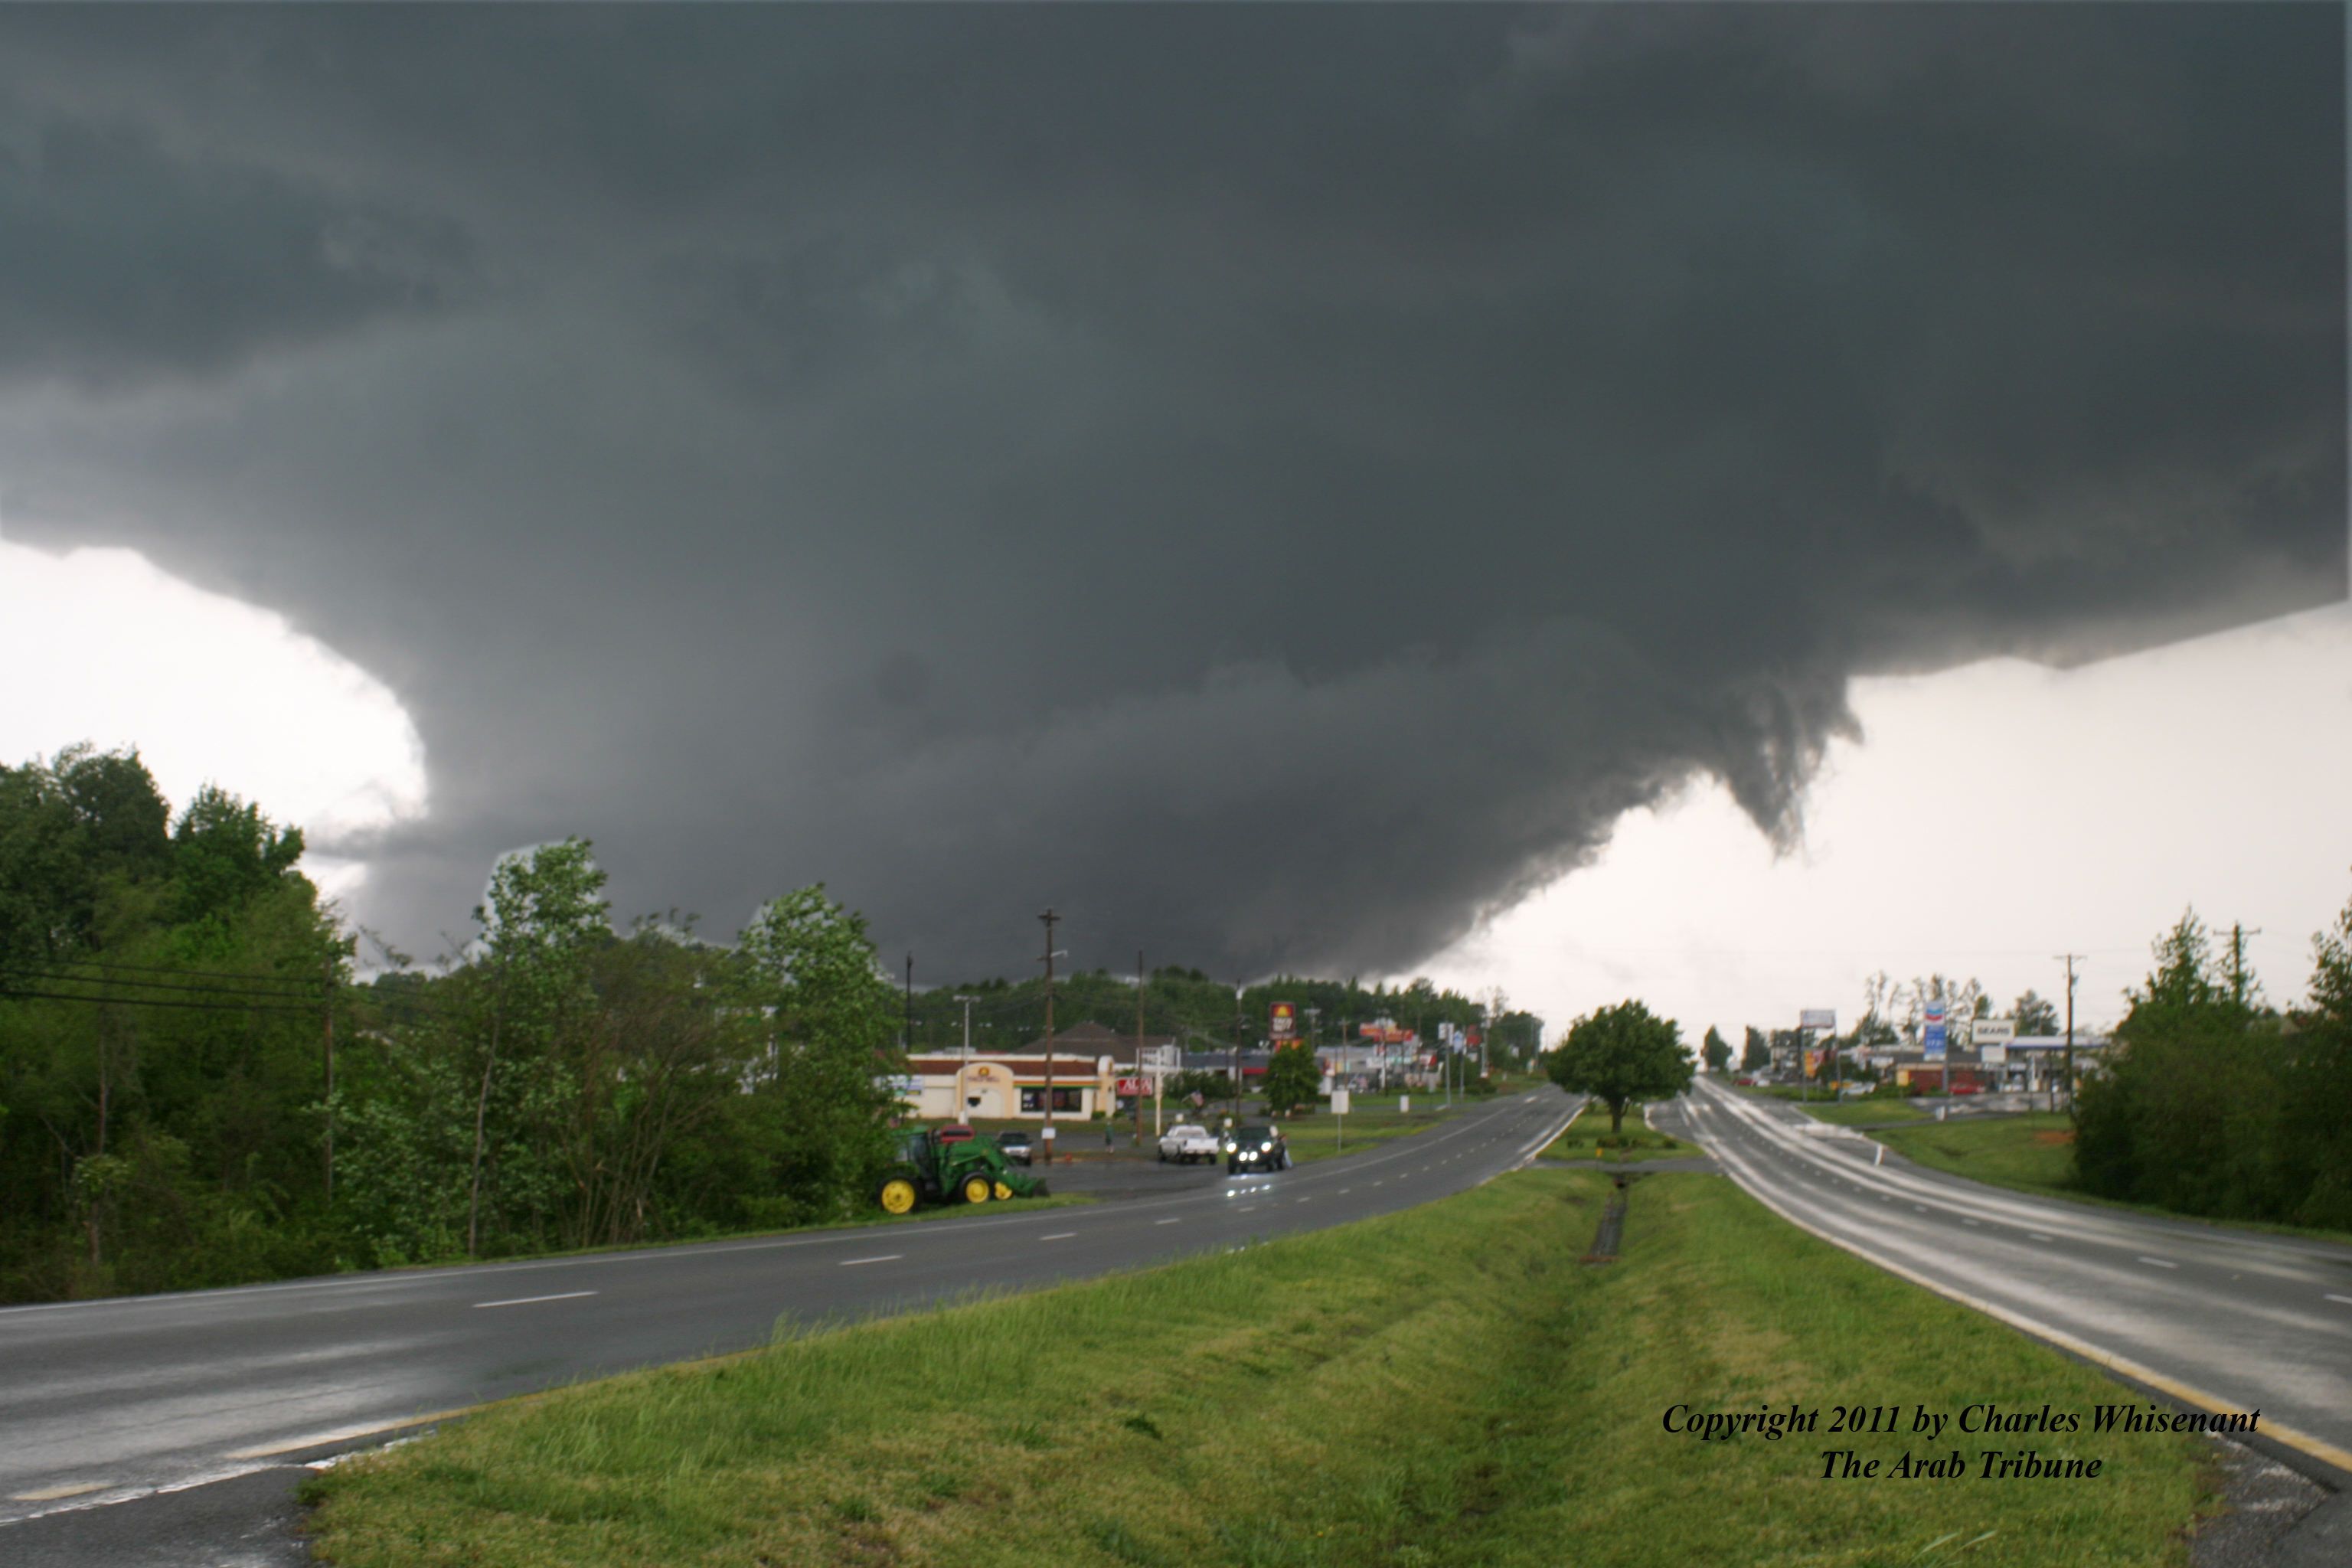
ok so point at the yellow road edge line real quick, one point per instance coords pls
(2317, 1448)
(53, 1494)
(346, 1434)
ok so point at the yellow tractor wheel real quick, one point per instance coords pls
(976, 1189)
(898, 1196)
(1002, 1192)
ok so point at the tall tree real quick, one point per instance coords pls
(1620, 1056)
(833, 1021)
(544, 922)
(1717, 1051)
(2034, 1013)
(1292, 1079)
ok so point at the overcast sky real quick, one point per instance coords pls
(1277, 483)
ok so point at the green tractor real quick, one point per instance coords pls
(927, 1168)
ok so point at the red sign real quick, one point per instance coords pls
(1286, 1020)
(1133, 1086)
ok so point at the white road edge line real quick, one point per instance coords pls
(2317, 1448)
(2159, 1263)
(527, 1301)
(1059, 1236)
(886, 1258)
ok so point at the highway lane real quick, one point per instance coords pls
(108, 1401)
(2215, 1317)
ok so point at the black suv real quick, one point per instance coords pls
(1257, 1149)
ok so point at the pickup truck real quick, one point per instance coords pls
(1187, 1142)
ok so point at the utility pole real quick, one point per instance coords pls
(2240, 981)
(907, 1045)
(1046, 1135)
(1138, 1047)
(963, 1089)
(1239, 1019)
(2070, 960)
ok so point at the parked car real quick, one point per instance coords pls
(1188, 1141)
(956, 1132)
(1257, 1149)
(1015, 1145)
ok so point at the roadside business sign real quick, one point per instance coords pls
(1931, 1033)
(1285, 1020)
(1983, 1032)
(1133, 1086)
(1816, 1018)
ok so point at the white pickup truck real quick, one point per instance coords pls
(1187, 1142)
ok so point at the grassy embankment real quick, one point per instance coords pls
(1864, 1112)
(2033, 1153)
(1445, 1386)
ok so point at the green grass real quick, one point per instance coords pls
(1445, 1387)
(1583, 1136)
(2033, 1153)
(1863, 1112)
(1374, 1119)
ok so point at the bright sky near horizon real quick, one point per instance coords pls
(1994, 815)
(108, 649)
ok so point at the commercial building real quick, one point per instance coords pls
(1087, 1060)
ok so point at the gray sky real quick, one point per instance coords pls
(1274, 482)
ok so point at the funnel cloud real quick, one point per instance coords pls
(1276, 483)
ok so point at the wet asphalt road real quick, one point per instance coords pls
(2207, 1315)
(176, 1425)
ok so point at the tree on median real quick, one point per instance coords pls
(1620, 1056)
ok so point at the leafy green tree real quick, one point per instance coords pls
(544, 921)
(2317, 1119)
(1620, 1056)
(2185, 1115)
(832, 1031)
(1717, 1051)
(1756, 1054)
(1292, 1079)
(2034, 1015)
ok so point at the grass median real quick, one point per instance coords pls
(1443, 1386)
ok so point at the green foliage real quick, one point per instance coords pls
(2213, 1104)
(1756, 1055)
(1717, 1051)
(169, 990)
(1620, 1056)
(164, 991)
(1195, 1009)
(1292, 1079)
(2035, 1015)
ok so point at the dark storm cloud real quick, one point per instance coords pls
(122, 264)
(1276, 482)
